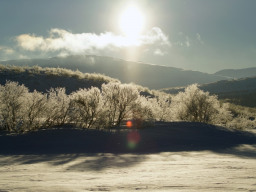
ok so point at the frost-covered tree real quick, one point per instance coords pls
(86, 107)
(242, 117)
(36, 108)
(241, 122)
(162, 107)
(119, 100)
(143, 112)
(196, 105)
(12, 106)
(58, 104)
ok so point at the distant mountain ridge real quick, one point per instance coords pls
(238, 73)
(243, 84)
(223, 86)
(151, 76)
(240, 91)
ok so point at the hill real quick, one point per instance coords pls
(223, 86)
(151, 76)
(238, 73)
(237, 85)
(240, 91)
(42, 79)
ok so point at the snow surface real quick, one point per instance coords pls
(168, 171)
(168, 157)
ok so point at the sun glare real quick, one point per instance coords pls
(132, 22)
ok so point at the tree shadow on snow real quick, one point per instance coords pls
(101, 162)
(244, 151)
(77, 162)
(164, 137)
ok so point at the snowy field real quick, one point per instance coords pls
(229, 170)
(169, 157)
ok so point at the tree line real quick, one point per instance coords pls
(105, 107)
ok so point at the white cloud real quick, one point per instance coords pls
(63, 54)
(155, 35)
(65, 41)
(23, 56)
(6, 50)
(31, 42)
(159, 52)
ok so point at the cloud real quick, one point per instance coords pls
(198, 37)
(65, 41)
(30, 42)
(6, 50)
(21, 56)
(159, 52)
(156, 35)
(187, 43)
(184, 40)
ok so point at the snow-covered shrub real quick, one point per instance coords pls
(241, 122)
(86, 107)
(242, 117)
(21, 110)
(196, 105)
(119, 100)
(35, 110)
(58, 104)
(13, 101)
(143, 112)
(162, 107)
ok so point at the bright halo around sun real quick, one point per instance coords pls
(132, 22)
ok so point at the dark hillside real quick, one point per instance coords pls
(148, 75)
(42, 79)
(239, 91)
(238, 73)
(243, 84)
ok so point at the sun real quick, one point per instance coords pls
(132, 21)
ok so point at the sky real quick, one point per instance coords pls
(200, 35)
